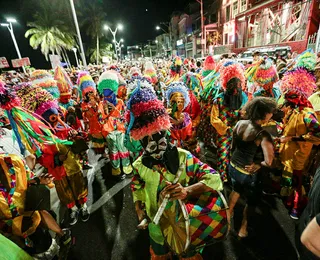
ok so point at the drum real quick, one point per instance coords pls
(190, 225)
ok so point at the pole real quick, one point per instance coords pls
(78, 32)
(202, 25)
(76, 56)
(10, 28)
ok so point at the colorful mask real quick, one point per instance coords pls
(155, 145)
(110, 96)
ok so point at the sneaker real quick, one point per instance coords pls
(74, 217)
(294, 214)
(65, 244)
(84, 214)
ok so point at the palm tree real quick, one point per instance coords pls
(105, 49)
(93, 17)
(47, 32)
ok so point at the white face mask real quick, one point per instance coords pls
(156, 149)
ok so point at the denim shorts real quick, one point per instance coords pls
(245, 185)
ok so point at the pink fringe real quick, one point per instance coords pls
(161, 123)
(138, 109)
(45, 106)
(232, 71)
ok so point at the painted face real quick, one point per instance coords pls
(64, 99)
(155, 145)
(110, 96)
(177, 102)
(51, 116)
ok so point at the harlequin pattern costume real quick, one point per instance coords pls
(113, 128)
(225, 111)
(169, 230)
(301, 124)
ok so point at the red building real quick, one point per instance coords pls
(275, 23)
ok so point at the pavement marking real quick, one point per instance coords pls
(108, 195)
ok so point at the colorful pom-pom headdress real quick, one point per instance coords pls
(63, 81)
(147, 114)
(297, 86)
(151, 72)
(178, 87)
(85, 83)
(176, 65)
(43, 79)
(142, 82)
(209, 66)
(35, 99)
(263, 72)
(229, 70)
(108, 80)
(307, 60)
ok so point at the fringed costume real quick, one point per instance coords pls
(225, 111)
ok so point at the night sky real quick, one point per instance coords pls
(139, 18)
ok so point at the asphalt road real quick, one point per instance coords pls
(111, 232)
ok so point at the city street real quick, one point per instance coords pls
(111, 232)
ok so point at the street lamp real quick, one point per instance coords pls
(10, 28)
(75, 54)
(119, 27)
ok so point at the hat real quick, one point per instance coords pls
(135, 81)
(151, 72)
(229, 70)
(43, 79)
(134, 71)
(298, 81)
(209, 65)
(63, 81)
(263, 72)
(307, 60)
(108, 80)
(85, 83)
(178, 87)
(176, 64)
(147, 114)
(35, 99)
(7, 99)
(192, 81)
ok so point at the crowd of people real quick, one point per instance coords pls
(152, 120)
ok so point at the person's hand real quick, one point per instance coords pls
(73, 133)
(175, 191)
(142, 219)
(45, 179)
(285, 139)
(253, 168)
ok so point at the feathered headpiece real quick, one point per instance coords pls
(147, 115)
(307, 60)
(43, 79)
(178, 87)
(108, 80)
(85, 83)
(63, 81)
(229, 70)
